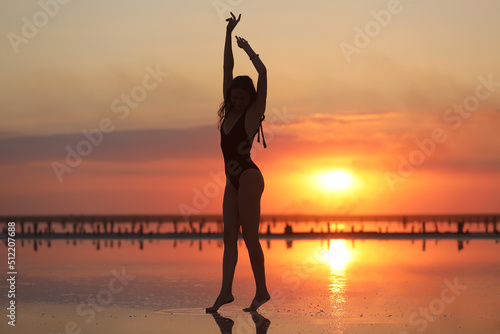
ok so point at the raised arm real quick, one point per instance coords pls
(228, 53)
(261, 69)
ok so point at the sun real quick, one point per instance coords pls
(336, 180)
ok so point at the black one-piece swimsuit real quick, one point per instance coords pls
(236, 146)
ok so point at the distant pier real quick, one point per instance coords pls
(272, 226)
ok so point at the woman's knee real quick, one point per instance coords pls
(230, 236)
(251, 239)
(255, 250)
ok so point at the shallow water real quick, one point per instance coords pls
(336, 286)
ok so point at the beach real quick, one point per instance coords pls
(317, 286)
(357, 141)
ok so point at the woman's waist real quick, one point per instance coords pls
(235, 164)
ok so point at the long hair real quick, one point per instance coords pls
(243, 82)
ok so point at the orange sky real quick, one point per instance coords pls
(412, 115)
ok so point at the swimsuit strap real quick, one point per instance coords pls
(261, 130)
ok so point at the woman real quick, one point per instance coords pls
(240, 117)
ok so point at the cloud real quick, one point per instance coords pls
(123, 146)
(345, 117)
(368, 140)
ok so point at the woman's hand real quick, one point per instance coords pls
(242, 43)
(232, 22)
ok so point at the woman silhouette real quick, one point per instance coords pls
(240, 117)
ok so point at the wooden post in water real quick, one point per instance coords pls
(220, 226)
(460, 227)
(201, 224)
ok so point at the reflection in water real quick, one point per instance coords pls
(100, 243)
(337, 256)
(338, 286)
(226, 324)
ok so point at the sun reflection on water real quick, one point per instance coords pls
(338, 257)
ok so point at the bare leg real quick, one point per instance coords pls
(230, 258)
(250, 192)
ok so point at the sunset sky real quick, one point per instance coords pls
(402, 97)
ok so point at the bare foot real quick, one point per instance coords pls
(221, 300)
(257, 302)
